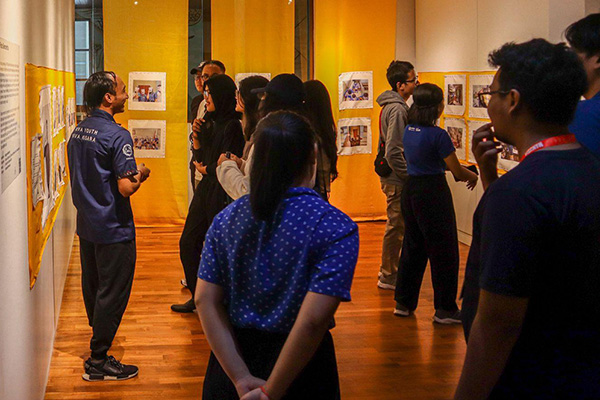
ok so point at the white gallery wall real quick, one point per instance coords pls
(44, 31)
(457, 35)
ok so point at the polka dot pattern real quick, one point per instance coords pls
(266, 268)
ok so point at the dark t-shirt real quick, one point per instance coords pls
(101, 152)
(425, 148)
(586, 124)
(536, 234)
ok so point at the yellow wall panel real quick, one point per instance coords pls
(253, 35)
(352, 35)
(153, 36)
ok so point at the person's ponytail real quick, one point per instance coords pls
(284, 149)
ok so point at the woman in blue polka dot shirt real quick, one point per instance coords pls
(275, 265)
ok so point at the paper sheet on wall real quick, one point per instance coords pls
(508, 158)
(457, 130)
(454, 94)
(149, 138)
(243, 75)
(10, 114)
(37, 183)
(473, 126)
(354, 136)
(147, 91)
(355, 90)
(478, 84)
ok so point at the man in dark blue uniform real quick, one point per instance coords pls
(104, 174)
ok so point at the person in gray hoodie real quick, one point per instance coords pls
(403, 81)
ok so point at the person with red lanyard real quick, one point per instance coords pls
(531, 302)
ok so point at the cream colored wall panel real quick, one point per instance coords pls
(509, 21)
(562, 14)
(446, 35)
(405, 31)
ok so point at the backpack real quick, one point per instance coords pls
(382, 168)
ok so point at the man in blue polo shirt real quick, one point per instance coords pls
(104, 175)
(584, 37)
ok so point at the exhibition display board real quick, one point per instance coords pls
(50, 118)
(145, 43)
(351, 60)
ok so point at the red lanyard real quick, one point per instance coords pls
(550, 142)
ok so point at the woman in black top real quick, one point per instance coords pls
(318, 110)
(220, 133)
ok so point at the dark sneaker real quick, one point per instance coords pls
(401, 310)
(108, 370)
(186, 307)
(447, 317)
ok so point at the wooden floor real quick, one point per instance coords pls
(379, 356)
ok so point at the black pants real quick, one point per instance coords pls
(318, 381)
(106, 280)
(431, 234)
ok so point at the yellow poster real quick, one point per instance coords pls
(50, 118)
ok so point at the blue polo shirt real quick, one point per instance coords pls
(266, 268)
(425, 148)
(101, 152)
(586, 124)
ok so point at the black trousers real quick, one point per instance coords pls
(106, 280)
(318, 381)
(431, 235)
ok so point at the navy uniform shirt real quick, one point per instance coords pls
(586, 124)
(266, 268)
(100, 153)
(425, 148)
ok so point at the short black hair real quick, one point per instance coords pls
(584, 35)
(397, 72)
(427, 98)
(549, 77)
(97, 85)
(213, 62)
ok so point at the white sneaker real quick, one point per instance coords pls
(401, 311)
(385, 286)
(183, 282)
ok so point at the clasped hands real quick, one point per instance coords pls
(248, 388)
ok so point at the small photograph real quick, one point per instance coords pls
(509, 153)
(457, 129)
(454, 96)
(476, 90)
(147, 91)
(478, 84)
(456, 135)
(355, 90)
(148, 138)
(354, 136)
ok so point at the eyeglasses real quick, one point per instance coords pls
(415, 79)
(206, 94)
(486, 95)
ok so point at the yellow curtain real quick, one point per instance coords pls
(253, 35)
(352, 35)
(151, 36)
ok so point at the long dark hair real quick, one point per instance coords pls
(318, 111)
(284, 146)
(424, 111)
(272, 102)
(251, 102)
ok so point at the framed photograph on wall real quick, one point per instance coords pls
(147, 91)
(454, 94)
(478, 84)
(457, 129)
(149, 138)
(355, 90)
(354, 136)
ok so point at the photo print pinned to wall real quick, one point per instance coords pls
(149, 138)
(454, 94)
(243, 75)
(354, 136)
(457, 130)
(473, 126)
(355, 90)
(478, 84)
(508, 158)
(147, 91)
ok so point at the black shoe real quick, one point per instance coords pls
(447, 317)
(186, 307)
(108, 370)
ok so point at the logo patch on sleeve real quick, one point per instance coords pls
(127, 150)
